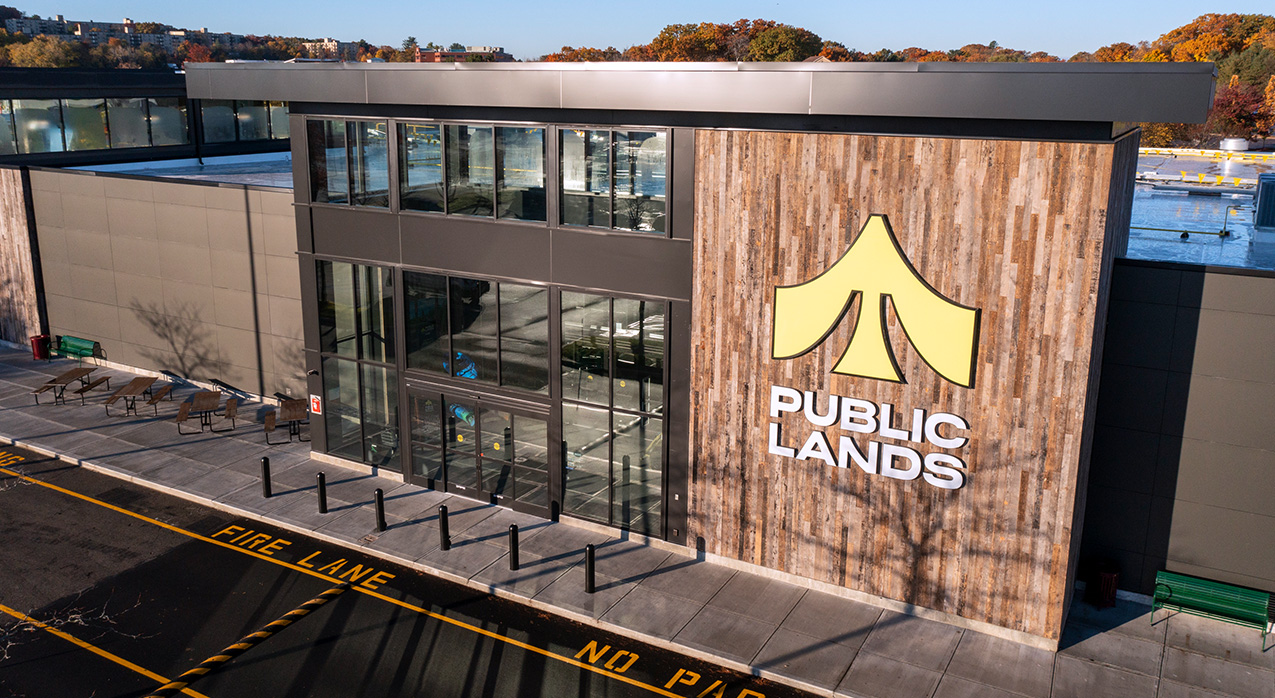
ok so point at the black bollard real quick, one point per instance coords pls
(265, 477)
(588, 569)
(513, 547)
(380, 510)
(444, 536)
(323, 494)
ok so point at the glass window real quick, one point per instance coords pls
(341, 408)
(470, 170)
(338, 331)
(420, 167)
(38, 123)
(427, 436)
(128, 123)
(460, 441)
(427, 336)
(8, 142)
(521, 194)
(252, 121)
(380, 417)
(586, 178)
(586, 348)
(168, 121)
(639, 355)
(613, 357)
(478, 330)
(586, 432)
(639, 180)
(328, 183)
(531, 460)
(637, 469)
(85, 124)
(524, 337)
(278, 119)
(370, 164)
(376, 313)
(219, 120)
(474, 330)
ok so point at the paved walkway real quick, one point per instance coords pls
(819, 642)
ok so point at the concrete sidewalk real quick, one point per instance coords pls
(815, 641)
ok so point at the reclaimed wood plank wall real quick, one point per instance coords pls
(1017, 229)
(19, 309)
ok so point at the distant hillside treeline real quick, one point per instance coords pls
(1242, 46)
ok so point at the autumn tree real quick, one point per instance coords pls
(1116, 53)
(44, 52)
(784, 43)
(1237, 108)
(584, 55)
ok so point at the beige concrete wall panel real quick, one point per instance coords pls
(280, 235)
(181, 223)
(228, 230)
(48, 207)
(285, 318)
(97, 321)
(136, 257)
(1232, 292)
(131, 218)
(87, 249)
(81, 183)
(234, 309)
(284, 276)
(277, 203)
(128, 188)
(190, 264)
(84, 213)
(180, 193)
(93, 283)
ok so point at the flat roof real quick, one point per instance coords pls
(1092, 92)
(272, 170)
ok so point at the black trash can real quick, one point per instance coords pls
(40, 347)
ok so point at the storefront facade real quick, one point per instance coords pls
(620, 294)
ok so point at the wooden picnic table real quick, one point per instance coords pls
(58, 384)
(129, 393)
(204, 403)
(294, 413)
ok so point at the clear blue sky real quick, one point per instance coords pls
(530, 29)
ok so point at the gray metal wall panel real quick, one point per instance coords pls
(682, 185)
(1146, 283)
(363, 234)
(477, 88)
(1023, 95)
(1127, 92)
(754, 92)
(650, 266)
(477, 246)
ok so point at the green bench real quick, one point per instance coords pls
(66, 345)
(1201, 597)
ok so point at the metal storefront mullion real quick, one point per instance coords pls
(349, 159)
(62, 122)
(611, 399)
(446, 176)
(392, 162)
(400, 374)
(664, 418)
(557, 454)
(106, 122)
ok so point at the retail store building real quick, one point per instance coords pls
(843, 323)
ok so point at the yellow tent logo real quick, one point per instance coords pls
(943, 332)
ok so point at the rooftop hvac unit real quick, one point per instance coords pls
(1264, 218)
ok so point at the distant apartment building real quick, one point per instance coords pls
(330, 48)
(493, 54)
(96, 33)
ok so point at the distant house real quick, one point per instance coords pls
(494, 54)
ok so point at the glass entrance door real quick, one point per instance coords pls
(480, 448)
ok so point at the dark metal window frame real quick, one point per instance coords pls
(497, 388)
(611, 131)
(358, 359)
(497, 163)
(612, 409)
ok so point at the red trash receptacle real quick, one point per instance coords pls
(40, 347)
